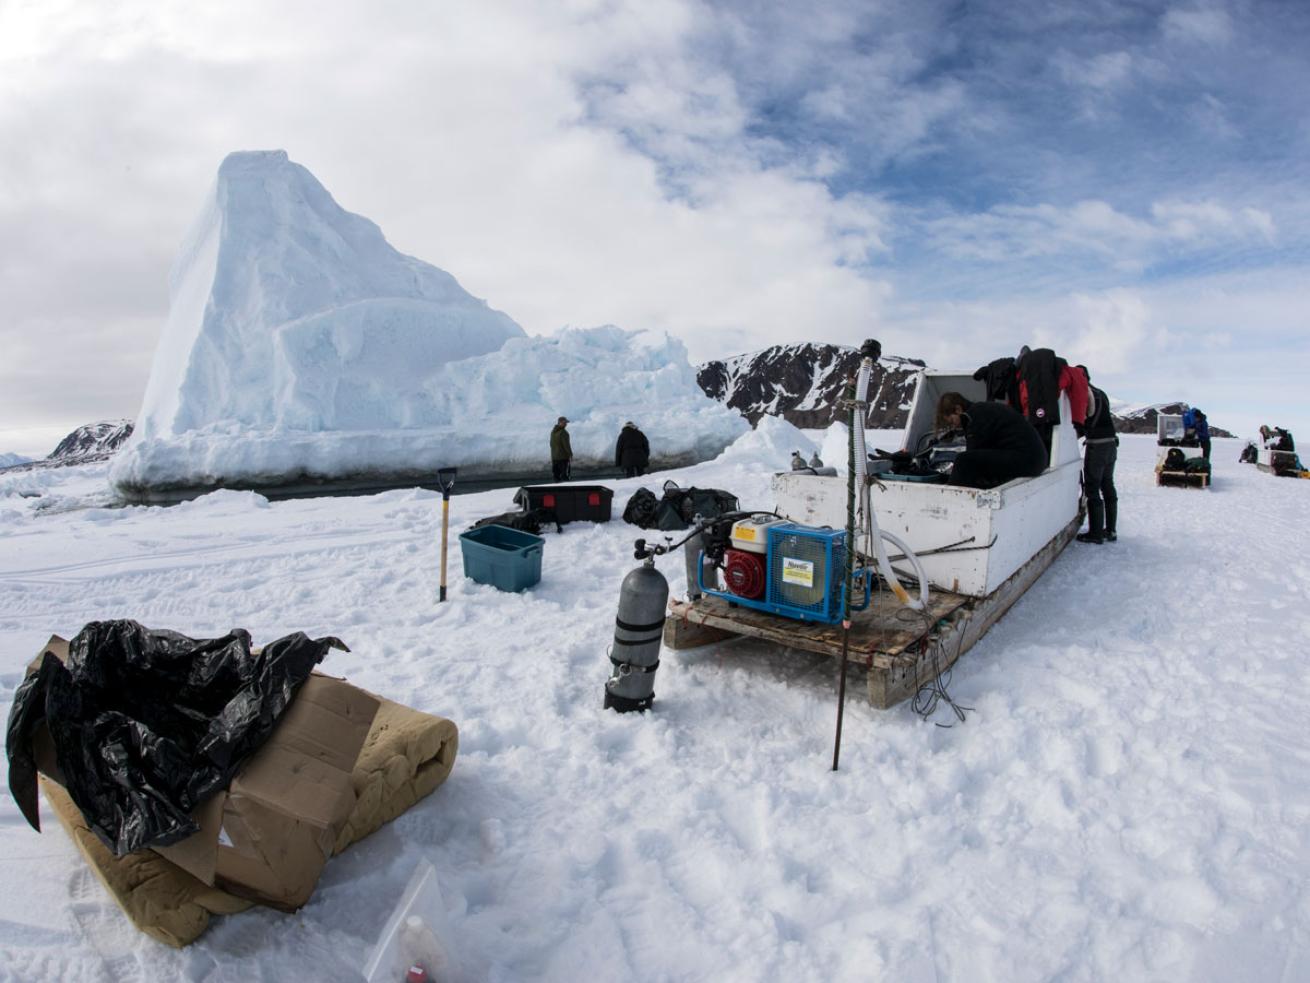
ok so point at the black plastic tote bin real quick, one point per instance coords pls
(569, 503)
(507, 559)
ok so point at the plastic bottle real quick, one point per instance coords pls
(421, 949)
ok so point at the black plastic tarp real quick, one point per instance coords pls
(678, 508)
(147, 724)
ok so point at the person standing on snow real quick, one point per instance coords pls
(632, 452)
(1202, 427)
(561, 450)
(1098, 468)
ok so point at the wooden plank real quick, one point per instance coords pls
(1182, 479)
(682, 633)
(878, 635)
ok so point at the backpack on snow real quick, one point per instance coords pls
(678, 508)
(529, 520)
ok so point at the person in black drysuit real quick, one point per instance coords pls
(1000, 445)
(1202, 425)
(1039, 390)
(1002, 380)
(632, 452)
(1098, 469)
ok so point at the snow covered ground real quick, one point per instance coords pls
(1129, 800)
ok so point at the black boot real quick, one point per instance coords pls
(1095, 523)
(1111, 514)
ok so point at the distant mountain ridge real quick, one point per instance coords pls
(87, 444)
(804, 383)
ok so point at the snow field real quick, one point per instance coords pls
(1129, 799)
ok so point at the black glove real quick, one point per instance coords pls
(1080, 429)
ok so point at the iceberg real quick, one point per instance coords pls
(301, 347)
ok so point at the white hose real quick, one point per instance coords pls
(869, 522)
(922, 603)
(875, 539)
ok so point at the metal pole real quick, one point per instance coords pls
(850, 571)
(445, 525)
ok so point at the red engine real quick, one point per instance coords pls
(744, 573)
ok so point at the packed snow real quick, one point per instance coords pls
(1129, 798)
(301, 345)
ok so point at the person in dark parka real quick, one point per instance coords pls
(632, 452)
(1000, 445)
(561, 450)
(1201, 424)
(1098, 469)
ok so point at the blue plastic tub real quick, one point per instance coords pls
(507, 559)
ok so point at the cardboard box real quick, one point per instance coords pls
(269, 834)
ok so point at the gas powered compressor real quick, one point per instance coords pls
(765, 562)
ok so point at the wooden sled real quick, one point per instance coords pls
(1182, 479)
(901, 649)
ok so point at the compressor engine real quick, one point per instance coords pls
(772, 564)
(744, 563)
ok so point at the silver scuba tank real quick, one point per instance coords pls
(638, 630)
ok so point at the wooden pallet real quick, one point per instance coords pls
(900, 648)
(1182, 479)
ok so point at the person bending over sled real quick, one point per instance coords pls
(1000, 445)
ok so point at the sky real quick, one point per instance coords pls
(1125, 182)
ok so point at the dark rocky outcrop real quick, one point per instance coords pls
(85, 445)
(804, 383)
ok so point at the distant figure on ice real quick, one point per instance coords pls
(561, 450)
(1000, 444)
(632, 452)
(798, 462)
(1098, 468)
(1194, 420)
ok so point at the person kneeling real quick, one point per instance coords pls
(1000, 445)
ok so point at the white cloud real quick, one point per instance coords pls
(1097, 229)
(1207, 24)
(1102, 72)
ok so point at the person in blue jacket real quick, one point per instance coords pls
(1195, 420)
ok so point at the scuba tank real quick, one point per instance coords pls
(638, 631)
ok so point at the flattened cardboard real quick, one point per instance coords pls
(272, 831)
(268, 836)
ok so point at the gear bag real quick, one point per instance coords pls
(147, 724)
(678, 508)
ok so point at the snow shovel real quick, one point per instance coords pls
(445, 481)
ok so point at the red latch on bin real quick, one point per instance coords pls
(548, 501)
(593, 498)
